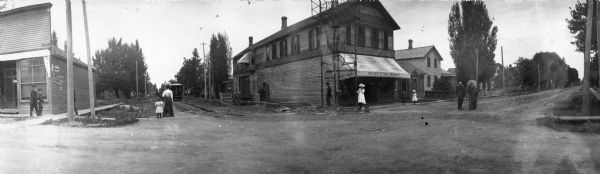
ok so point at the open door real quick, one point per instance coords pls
(9, 88)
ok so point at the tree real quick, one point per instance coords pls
(116, 65)
(573, 77)
(470, 28)
(577, 27)
(443, 84)
(528, 72)
(220, 60)
(54, 39)
(553, 69)
(191, 73)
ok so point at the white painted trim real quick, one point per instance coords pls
(23, 55)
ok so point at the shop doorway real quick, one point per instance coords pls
(9, 85)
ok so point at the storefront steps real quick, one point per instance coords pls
(43, 118)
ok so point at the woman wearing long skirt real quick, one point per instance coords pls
(361, 97)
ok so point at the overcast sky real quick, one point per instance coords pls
(169, 30)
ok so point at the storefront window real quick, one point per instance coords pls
(32, 72)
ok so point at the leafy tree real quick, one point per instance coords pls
(470, 28)
(54, 39)
(220, 60)
(443, 84)
(116, 65)
(577, 28)
(573, 77)
(528, 72)
(553, 69)
(191, 73)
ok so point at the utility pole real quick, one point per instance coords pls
(503, 82)
(89, 59)
(70, 92)
(204, 69)
(586, 59)
(598, 37)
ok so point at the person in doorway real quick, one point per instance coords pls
(33, 100)
(159, 108)
(328, 94)
(460, 93)
(361, 97)
(167, 96)
(414, 97)
(40, 102)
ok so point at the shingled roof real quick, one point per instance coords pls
(419, 52)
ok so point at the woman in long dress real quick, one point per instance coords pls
(361, 96)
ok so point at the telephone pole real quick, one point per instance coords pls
(70, 92)
(586, 59)
(477, 66)
(539, 79)
(204, 69)
(503, 82)
(89, 59)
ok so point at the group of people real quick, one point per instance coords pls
(473, 92)
(361, 96)
(164, 105)
(36, 101)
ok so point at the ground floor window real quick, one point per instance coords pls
(32, 73)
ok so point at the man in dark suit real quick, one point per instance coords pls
(328, 95)
(33, 101)
(460, 93)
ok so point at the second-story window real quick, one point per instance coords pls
(428, 62)
(375, 38)
(361, 36)
(311, 37)
(435, 63)
(349, 34)
(295, 44)
(385, 40)
(274, 50)
(318, 38)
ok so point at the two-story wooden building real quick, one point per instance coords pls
(424, 66)
(28, 58)
(288, 64)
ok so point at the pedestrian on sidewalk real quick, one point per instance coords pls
(473, 92)
(361, 97)
(159, 104)
(414, 97)
(167, 96)
(403, 97)
(40, 102)
(460, 93)
(33, 102)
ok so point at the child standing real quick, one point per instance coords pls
(159, 108)
(414, 97)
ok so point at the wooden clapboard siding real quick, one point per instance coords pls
(293, 82)
(25, 30)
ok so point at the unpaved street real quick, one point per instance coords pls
(500, 137)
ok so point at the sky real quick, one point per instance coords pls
(168, 30)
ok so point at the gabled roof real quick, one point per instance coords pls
(410, 68)
(419, 52)
(314, 19)
(26, 8)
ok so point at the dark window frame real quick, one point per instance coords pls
(375, 38)
(360, 41)
(386, 36)
(348, 34)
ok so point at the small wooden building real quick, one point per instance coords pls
(289, 65)
(424, 66)
(28, 58)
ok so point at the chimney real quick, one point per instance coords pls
(250, 41)
(410, 44)
(283, 22)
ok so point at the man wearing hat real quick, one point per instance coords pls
(460, 93)
(361, 97)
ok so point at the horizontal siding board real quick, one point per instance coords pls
(25, 31)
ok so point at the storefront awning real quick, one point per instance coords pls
(371, 66)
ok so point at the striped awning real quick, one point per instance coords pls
(371, 66)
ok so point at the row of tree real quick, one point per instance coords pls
(546, 70)
(116, 69)
(192, 73)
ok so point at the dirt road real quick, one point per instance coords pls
(500, 137)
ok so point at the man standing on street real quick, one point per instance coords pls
(168, 99)
(33, 102)
(460, 93)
